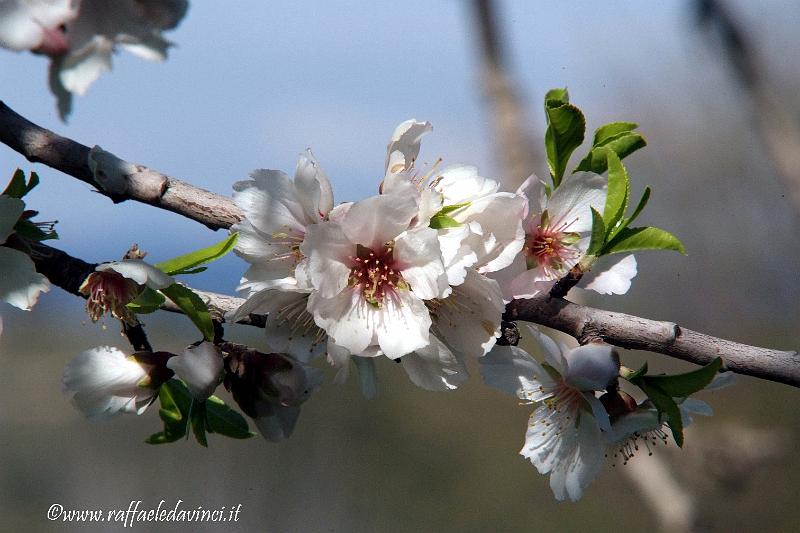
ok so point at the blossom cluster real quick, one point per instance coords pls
(419, 272)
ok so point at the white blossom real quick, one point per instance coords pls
(564, 437)
(35, 24)
(104, 381)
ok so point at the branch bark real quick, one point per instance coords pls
(582, 322)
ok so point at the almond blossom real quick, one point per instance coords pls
(104, 381)
(557, 233)
(200, 368)
(565, 431)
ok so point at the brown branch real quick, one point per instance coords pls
(636, 333)
(142, 184)
(583, 323)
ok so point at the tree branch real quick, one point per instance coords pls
(142, 184)
(636, 333)
(582, 322)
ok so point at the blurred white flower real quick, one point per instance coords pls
(200, 367)
(80, 36)
(20, 284)
(104, 381)
(35, 24)
(564, 436)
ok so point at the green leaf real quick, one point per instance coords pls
(623, 144)
(666, 406)
(147, 302)
(223, 420)
(606, 132)
(184, 263)
(446, 210)
(194, 307)
(557, 95)
(198, 418)
(645, 238)
(566, 127)
(440, 221)
(639, 207)
(684, 385)
(618, 193)
(174, 412)
(17, 187)
(598, 233)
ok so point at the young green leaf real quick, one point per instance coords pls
(442, 221)
(645, 238)
(446, 210)
(608, 131)
(194, 307)
(183, 264)
(566, 127)
(623, 144)
(618, 193)
(174, 412)
(666, 406)
(147, 302)
(633, 375)
(17, 187)
(684, 385)
(598, 233)
(223, 420)
(639, 207)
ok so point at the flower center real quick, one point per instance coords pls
(109, 292)
(375, 273)
(627, 449)
(551, 246)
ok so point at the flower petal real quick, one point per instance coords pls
(330, 255)
(434, 367)
(140, 272)
(417, 254)
(20, 284)
(313, 187)
(616, 279)
(376, 220)
(572, 201)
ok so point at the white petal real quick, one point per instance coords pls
(418, 253)
(404, 145)
(345, 317)
(462, 183)
(616, 279)
(579, 468)
(290, 327)
(82, 67)
(572, 201)
(641, 421)
(434, 367)
(511, 370)
(313, 187)
(10, 211)
(330, 255)
(402, 325)
(140, 272)
(469, 318)
(270, 203)
(553, 355)
(378, 219)
(20, 284)
(200, 367)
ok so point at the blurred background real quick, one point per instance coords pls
(714, 86)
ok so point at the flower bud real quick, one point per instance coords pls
(592, 367)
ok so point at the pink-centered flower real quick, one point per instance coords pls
(565, 431)
(371, 273)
